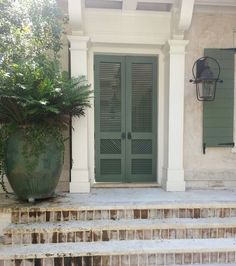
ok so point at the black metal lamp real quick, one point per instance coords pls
(206, 78)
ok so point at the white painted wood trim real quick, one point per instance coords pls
(186, 13)
(129, 4)
(129, 50)
(175, 60)
(80, 148)
(75, 15)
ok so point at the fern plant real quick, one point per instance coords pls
(32, 86)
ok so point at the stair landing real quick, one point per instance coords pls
(104, 198)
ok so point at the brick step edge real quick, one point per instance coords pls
(31, 215)
(128, 260)
(227, 247)
(108, 230)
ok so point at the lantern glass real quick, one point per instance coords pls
(206, 90)
(206, 72)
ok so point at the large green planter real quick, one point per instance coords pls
(41, 181)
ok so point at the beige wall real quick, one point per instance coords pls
(217, 168)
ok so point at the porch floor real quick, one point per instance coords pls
(100, 198)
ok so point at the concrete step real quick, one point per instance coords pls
(131, 253)
(124, 229)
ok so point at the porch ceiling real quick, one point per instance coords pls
(154, 5)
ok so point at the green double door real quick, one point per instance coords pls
(125, 119)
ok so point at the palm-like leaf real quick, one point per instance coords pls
(10, 110)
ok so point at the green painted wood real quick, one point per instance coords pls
(218, 115)
(215, 122)
(117, 158)
(109, 118)
(141, 95)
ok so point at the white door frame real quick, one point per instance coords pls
(128, 50)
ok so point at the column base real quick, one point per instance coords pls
(79, 181)
(174, 180)
(79, 187)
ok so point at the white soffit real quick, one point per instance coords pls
(145, 5)
(161, 5)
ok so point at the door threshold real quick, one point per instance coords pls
(124, 185)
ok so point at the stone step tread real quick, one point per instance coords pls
(118, 248)
(176, 223)
(127, 198)
(130, 205)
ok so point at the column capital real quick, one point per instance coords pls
(176, 46)
(78, 42)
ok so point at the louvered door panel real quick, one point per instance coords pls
(125, 119)
(110, 97)
(141, 97)
(109, 119)
(141, 119)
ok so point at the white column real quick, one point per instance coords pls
(79, 173)
(175, 60)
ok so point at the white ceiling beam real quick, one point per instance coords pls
(75, 16)
(182, 13)
(185, 14)
(129, 4)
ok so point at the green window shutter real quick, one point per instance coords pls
(218, 115)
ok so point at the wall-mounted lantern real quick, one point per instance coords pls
(206, 73)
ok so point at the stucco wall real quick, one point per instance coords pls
(216, 168)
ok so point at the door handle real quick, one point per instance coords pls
(123, 135)
(129, 135)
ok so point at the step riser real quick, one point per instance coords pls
(32, 216)
(130, 260)
(108, 235)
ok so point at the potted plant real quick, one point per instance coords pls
(37, 99)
